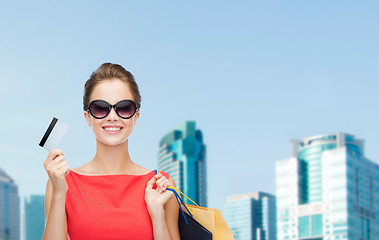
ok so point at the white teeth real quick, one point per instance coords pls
(113, 129)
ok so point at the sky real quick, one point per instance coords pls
(252, 74)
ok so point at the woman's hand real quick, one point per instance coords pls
(57, 168)
(157, 198)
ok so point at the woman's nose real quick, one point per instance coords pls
(112, 115)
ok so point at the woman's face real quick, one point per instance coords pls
(111, 91)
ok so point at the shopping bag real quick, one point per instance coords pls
(209, 218)
(213, 220)
(189, 228)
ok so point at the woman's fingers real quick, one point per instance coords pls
(54, 153)
(167, 185)
(55, 164)
(156, 198)
(162, 183)
(65, 170)
(59, 159)
(61, 165)
(151, 182)
(55, 156)
(57, 168)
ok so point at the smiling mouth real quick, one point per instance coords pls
(112, 129)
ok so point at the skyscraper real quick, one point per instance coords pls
(34, 217)
(9, 208)
(182, 154)
(328, 189)
(251, 216)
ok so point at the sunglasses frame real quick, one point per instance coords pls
(110, 106)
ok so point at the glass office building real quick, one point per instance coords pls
(251, 216)
(182, 154)
(9, 208)
(328, 189)
(34, 217)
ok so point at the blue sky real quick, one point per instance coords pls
(252, 74)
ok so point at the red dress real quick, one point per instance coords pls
(108, 207)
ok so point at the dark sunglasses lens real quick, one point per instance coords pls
(125, 109)
(99, 109)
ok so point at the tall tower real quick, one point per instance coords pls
(182, 154)
(9, 208)
(327, 190)
(34, 217)
(251, 216)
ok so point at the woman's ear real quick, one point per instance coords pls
(88, 118)
(135, 118)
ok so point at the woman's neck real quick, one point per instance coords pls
(112, 159)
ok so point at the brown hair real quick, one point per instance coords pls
(108, 71)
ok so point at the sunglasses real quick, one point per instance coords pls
(100, 109)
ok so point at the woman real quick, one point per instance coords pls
(111, 197)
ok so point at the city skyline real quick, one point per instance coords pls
(251, 74)
(308, 191)
(327, 190)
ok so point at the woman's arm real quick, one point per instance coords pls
(163, 208)
(55, 197)
(172, 215)
(55, 215)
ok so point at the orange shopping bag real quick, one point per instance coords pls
(209, 218)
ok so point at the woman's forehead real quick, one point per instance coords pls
(111, 91)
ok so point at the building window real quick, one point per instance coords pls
(310, 226)
(304, 227)
(317, 225)
(365, 229)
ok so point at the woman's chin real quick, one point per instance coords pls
(113, 142)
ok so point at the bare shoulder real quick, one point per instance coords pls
(78, 170)
(141, 170)
(84, 169)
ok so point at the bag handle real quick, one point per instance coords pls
(177, 193)
(177, 190)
